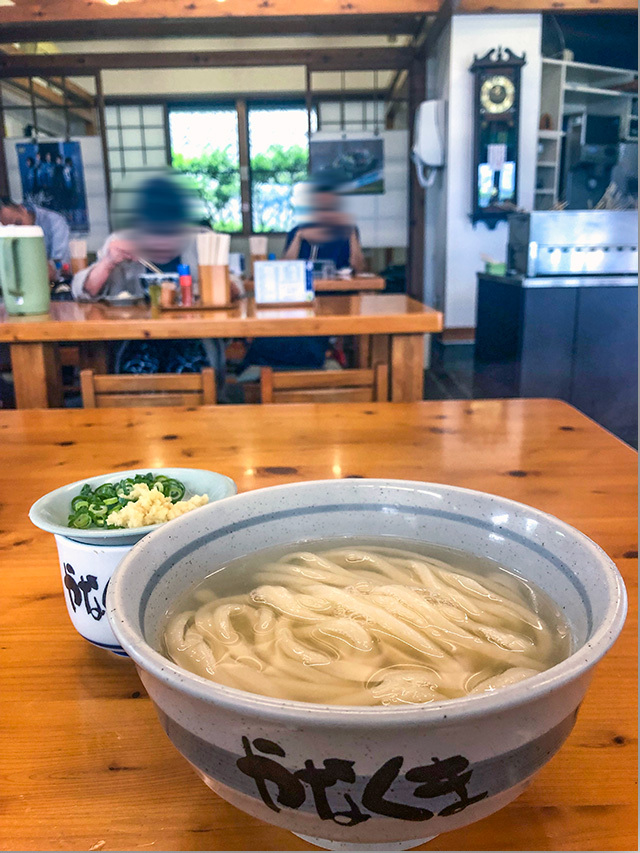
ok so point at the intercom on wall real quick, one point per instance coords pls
(429, 135)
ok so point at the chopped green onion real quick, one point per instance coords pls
(91, 507)
(174, 490)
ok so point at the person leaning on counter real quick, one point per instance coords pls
(54, 227)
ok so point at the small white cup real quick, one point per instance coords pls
(86, 571)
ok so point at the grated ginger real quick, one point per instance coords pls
(150, 506)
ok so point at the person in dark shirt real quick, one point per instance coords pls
(326, 233)
(329, 235)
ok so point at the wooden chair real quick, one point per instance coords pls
(100, 391)
(325, 386)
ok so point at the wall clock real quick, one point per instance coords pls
(496, 107)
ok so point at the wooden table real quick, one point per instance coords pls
(396, 323)
(359, 284)
(84, 763)
(356, 284)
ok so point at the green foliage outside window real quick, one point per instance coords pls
(274, 173)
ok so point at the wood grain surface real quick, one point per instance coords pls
(349, 285)
(25, 10)
(84, 763)
(74, 10)
(356, 314)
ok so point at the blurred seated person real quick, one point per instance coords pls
(325, 233)
(162, 231)
(54, 227)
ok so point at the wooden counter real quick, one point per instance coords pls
(84, 763)
(396, 322)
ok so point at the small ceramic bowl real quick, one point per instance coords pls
(86, 571)
(51, 511)
(89, 557)
(353, 778)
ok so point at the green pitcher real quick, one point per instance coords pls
(24, 274)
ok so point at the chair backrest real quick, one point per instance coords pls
(147, 389)
(325, 386)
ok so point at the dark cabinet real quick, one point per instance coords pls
(575, 343)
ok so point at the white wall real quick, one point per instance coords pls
(451, 271)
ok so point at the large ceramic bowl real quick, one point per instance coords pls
(368, 778)
(51, 511)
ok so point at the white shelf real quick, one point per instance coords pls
(550, 134)
(545, 192)
(588, 66)
(546, 164)
(581, 88)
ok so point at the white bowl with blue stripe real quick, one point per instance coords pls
(472, 755)
(88, 557)
(51, 511)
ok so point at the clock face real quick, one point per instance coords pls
(497, 94)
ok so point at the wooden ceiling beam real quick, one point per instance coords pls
(74, 92)
(88, 10)
(340, 59)
(29, 29)
(438, 24)
(554, 6)
(45, 94)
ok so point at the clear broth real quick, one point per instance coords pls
(366, 660)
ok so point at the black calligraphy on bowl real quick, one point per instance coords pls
(80, 591)
(440, 778)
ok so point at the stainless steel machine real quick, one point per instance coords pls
(574, 243)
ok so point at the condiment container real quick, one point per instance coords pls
(186, 285)
(169, 293)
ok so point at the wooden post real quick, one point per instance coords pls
(167, 133)
(4, 174)
(308, 96)
(103, 134)
(246, 205)
(415, 265)
(37, 378)
(407, 368)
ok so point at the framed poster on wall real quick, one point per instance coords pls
(52, 176)
(359, 162)
(93, 223)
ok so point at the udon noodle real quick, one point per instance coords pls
(368, 625)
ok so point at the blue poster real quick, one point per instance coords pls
(52, 176)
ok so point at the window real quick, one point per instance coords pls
(53, 108)
(279, 159)
(352, 116)
(204, 144)
(135, 140)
